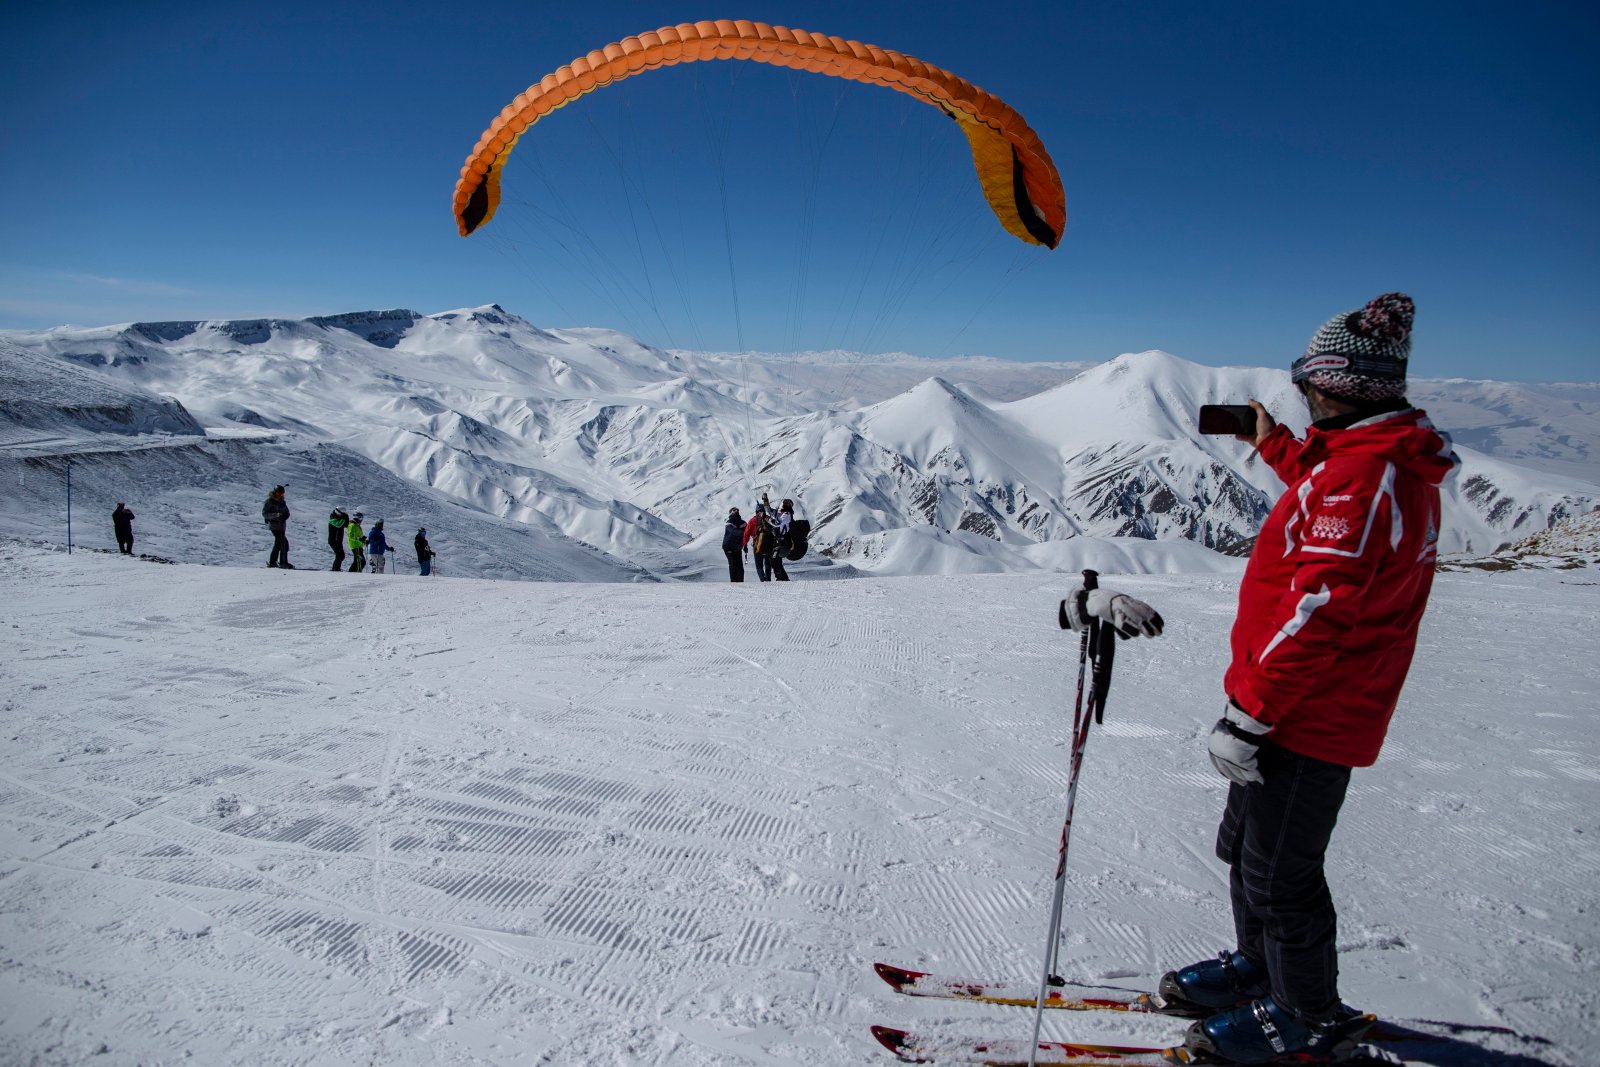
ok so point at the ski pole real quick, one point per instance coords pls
(1090, 649)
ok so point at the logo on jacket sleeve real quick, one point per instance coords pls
(1344, 520)
(1330, 528)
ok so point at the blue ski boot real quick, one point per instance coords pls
(1203, 988)
(1263, 1032)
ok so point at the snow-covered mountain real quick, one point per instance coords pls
(587, 454)
(1551, 427)
(1571, 544)
(44, 399)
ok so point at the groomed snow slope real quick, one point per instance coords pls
(260, 817)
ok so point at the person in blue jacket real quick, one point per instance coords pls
(378, 547)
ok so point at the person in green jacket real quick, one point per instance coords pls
(337, 521)
(357, 540)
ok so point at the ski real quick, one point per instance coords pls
(1019, 994)
(920, 1048)
(1065, 996)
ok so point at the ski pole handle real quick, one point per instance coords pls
(1091, 580)
(1098, 647)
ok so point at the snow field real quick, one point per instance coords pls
(263, 817)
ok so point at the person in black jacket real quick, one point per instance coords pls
(122, 523)
(275, 513)
(424, 551)
(732, 539)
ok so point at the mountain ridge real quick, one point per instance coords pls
(592, 437)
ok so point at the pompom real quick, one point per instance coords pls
(1387, 317)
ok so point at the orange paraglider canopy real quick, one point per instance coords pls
(1018, 178)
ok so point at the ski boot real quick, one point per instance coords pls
(1263, 1032)
(1201, 989)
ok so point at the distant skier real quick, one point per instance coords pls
(337, 521)
(761, 538)
(356, 538)
(378, 546)
(777, 539)
(122, 523)
(732, 542)
(275, 513)
(784, 524)
(752, 542)
(424, 552)
(1328, 613)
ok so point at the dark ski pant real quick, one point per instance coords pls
(1274, 835)
(770, 567)
(280, 549)
(125, 544)
(337, 547)
(735, 564)
(358, 560)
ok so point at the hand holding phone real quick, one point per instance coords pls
(1232, 419)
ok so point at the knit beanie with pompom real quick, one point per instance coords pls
(1360, 356)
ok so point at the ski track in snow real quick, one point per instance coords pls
(258, 817)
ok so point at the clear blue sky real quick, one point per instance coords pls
(1235, 173)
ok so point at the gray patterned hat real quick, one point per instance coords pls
(1361, 355)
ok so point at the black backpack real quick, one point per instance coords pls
(799, 533)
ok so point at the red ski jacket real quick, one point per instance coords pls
(1337, 583)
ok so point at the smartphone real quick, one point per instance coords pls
(1228, 419)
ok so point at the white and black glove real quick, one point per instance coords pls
(1233, 744)
(1129, 617)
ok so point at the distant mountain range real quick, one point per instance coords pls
(585, 454)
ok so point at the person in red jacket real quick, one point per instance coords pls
(1327, 626)
(761, 534)
(1328, 614)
